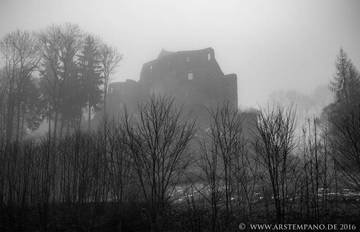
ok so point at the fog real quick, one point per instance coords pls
(271, 45)
(179, 115)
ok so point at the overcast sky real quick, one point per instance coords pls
(271, 45)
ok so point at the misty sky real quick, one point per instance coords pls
(271, 45)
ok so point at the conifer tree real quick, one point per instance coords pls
(90, 75)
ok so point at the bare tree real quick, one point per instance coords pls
(227, 140)
(209, 163)
(274, 144)
(158, 141)
(3, 100)
(120, 165)
(246, 177)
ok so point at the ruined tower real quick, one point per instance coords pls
(193, 78)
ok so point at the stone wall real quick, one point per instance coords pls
(193, 78)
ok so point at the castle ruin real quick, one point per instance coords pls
(193, 78)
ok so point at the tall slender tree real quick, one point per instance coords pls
(90, 75)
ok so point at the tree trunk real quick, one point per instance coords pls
(89, 119)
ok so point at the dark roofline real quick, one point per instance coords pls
(164, 53)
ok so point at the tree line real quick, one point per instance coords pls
(153, 169)
(59, 74)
